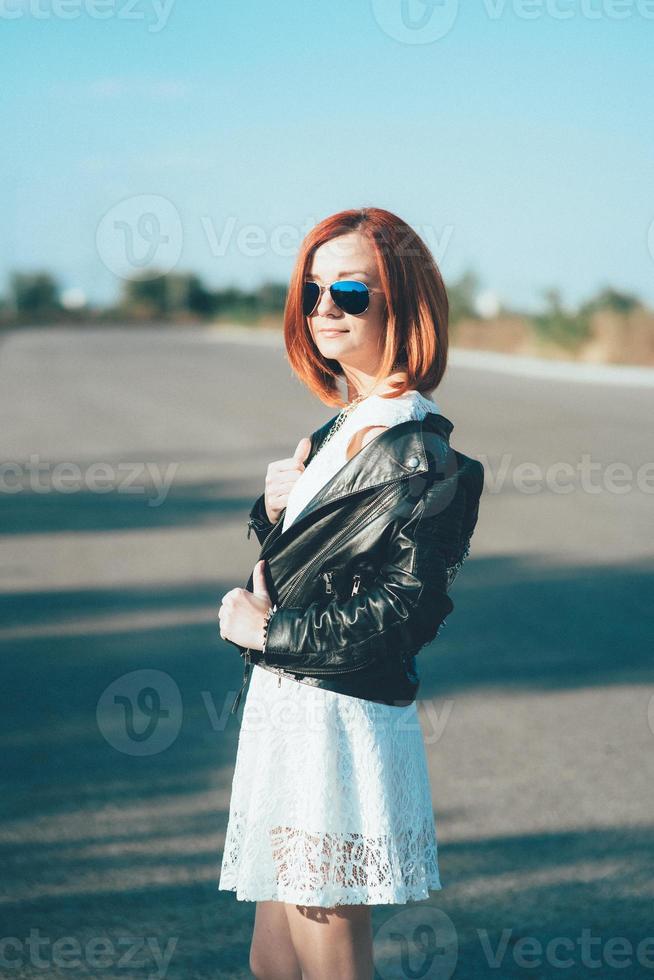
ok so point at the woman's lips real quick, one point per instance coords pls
(332, 333)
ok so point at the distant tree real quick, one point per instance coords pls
(167, 295)
(176, 288)
(174, 294)
(461, 295)
(237, 304)
(271, 297)
(613, 300)
(200, 300)
(143, 296)
(34, 294)
(558, 325)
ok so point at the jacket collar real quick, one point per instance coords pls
(401, 450)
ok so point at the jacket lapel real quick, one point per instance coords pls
(389, 456)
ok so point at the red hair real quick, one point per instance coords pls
(417, 306)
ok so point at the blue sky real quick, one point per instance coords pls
(520, 142)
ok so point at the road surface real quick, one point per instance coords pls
(131, 458)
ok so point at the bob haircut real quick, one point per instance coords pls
(417, 307)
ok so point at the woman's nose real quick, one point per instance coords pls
(326, 304)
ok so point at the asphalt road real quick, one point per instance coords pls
(131, 457)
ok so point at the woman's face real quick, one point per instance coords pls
(353, 341)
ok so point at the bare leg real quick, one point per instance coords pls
(272, 956)
(332, 942)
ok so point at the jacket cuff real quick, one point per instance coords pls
(279, 633)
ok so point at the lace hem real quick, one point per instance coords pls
(353, 896)
(329, 869)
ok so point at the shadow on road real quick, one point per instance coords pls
(99, 841)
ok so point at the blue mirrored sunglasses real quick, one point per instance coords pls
(349, 295)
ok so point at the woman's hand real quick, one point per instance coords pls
(241, 614)
(280, 477)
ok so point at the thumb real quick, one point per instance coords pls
(259, 586)
(302, 449)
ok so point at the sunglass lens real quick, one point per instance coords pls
(310, 297)
(352, 297)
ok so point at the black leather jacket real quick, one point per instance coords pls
(360, 579)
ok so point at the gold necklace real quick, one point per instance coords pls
(340, 419)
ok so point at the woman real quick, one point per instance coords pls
(363, 530)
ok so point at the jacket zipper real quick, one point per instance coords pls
(328, 575)
(329, 588)
(254, 523)
(356, 521)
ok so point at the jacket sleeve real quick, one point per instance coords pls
(259, 520)
(403, 607)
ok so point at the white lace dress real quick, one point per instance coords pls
(331, 801)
